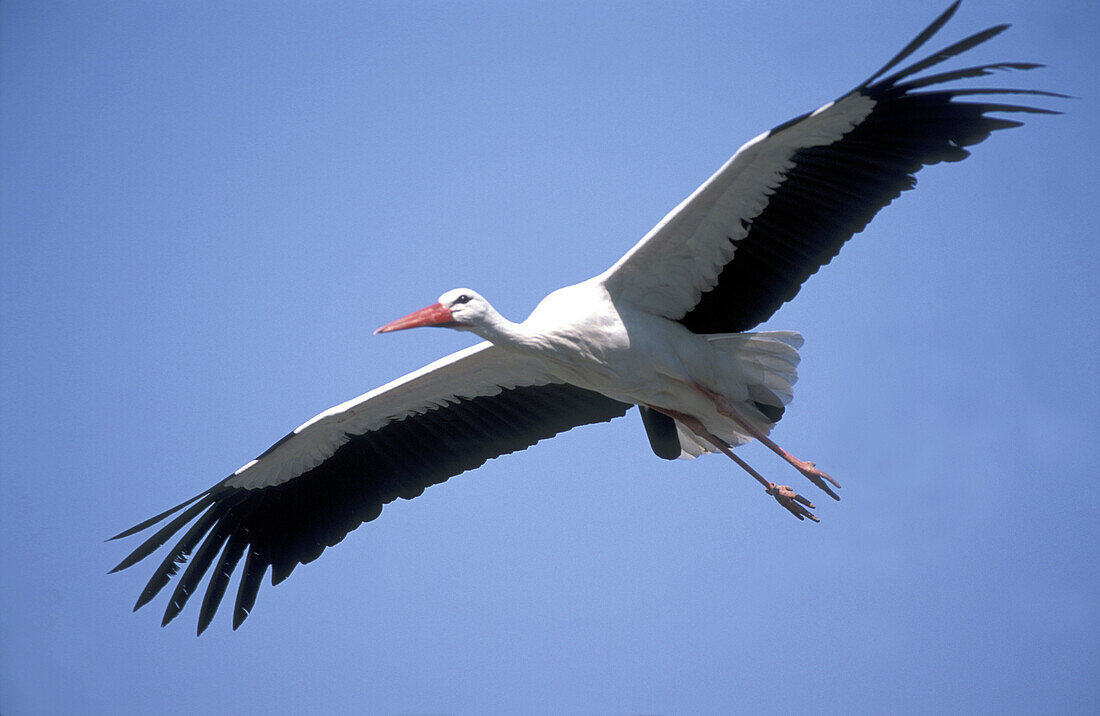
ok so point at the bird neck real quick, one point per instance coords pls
(498, 330)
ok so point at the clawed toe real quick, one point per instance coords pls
(818, 477)
(793, 502)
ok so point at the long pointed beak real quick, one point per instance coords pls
(434, 315)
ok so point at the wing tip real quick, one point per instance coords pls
(142, 526)
(916, 43)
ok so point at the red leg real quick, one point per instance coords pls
(794, 503)
(812, 472)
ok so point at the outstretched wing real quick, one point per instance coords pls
(734, 251)
(337, 470)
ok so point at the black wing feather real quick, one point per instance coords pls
(663, 436)
(219, 580)
(292, 523)
(833, 191)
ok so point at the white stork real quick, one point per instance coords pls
(662, 329)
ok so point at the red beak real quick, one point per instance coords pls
(434, 315)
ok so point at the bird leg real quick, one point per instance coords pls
(793, 502)
(807, 468)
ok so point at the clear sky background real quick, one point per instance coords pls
(208, 207)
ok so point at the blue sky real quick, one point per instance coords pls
(208, 207)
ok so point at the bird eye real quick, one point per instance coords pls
(463, 298)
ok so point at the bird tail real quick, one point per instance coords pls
(767, 364)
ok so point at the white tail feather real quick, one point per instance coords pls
(768, 364)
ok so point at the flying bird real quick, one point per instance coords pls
(663, 329)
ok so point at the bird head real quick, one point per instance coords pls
(459, 308)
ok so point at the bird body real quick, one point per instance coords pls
(581, 335)
(663, 329)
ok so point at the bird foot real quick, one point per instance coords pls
(793, 502)
(817, 476)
